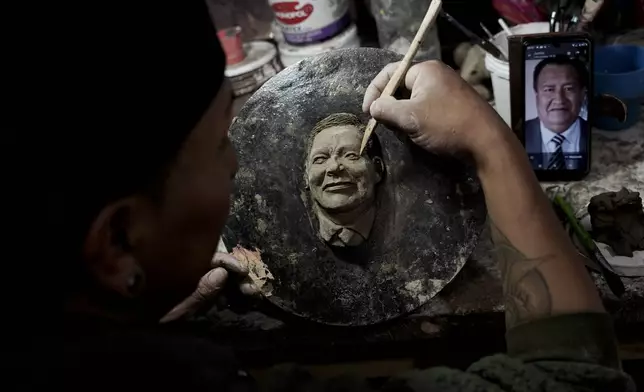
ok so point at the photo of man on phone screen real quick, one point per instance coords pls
(556, 139)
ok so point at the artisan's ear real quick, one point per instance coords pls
(108, 251)
(379, 165)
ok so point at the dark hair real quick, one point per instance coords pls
(373, 147)
(129, 87)
(580, 69)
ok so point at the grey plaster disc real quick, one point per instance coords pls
(430, 209)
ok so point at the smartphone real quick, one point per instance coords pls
(551, 90)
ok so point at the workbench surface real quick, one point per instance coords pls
(468, 312)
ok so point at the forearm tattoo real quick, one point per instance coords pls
(526, 292)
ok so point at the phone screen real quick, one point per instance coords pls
(557, 87)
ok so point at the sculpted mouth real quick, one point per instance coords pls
(338, 185)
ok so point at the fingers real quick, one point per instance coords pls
(394, 113)
(377, 85)
(230, 263)
(188, 305)
(247, 287)
(212, 284)
(209, 286)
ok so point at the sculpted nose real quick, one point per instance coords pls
(333, 166)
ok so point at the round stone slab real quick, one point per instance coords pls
(430, 209)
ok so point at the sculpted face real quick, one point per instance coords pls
(340, 179)
(559, 96)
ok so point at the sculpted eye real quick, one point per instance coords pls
(352, 156)
(318, 160)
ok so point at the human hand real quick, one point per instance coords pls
(212, 283)
(443, 113)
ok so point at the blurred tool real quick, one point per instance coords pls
(482, 42)
(486, 31)
(553, 21)
(573, 21)
(504, 26)
(403, 67)
(612, 279)
(562, 20)
(588, 14)
(470, 60)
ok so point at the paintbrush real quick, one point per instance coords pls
(588, 14)
(505, 27)
(403, 67)
(482, 42)
(573, 22)
(612, 279)
(553, 21)
(485, 29)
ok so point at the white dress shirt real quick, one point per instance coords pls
(352, 234)
(570, 144)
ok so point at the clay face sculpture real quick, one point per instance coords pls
(341, 181)
(429, 211)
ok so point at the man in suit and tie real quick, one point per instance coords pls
(558, 136)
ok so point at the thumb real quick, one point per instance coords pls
(208, 287)
(394, 113)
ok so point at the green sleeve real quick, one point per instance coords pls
(567, 353)
(580, 337)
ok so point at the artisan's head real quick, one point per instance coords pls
(339, 177)
(560, 87)
(142, 161)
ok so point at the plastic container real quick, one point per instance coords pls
(398, 22)
(500, 69)
(619, 71)
(261, 63)
(305, 22)
(291, 54)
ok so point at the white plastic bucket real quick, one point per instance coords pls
(304, 22)
(500, 70)
(259, 65)
(291, 54)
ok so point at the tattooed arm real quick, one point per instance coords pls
(559, 337)
(542, 273)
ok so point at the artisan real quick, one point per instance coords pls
(137, 181)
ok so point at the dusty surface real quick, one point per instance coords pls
(429, 210)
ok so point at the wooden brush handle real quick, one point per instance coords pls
(403, 67)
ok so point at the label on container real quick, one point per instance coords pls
(310, 20)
